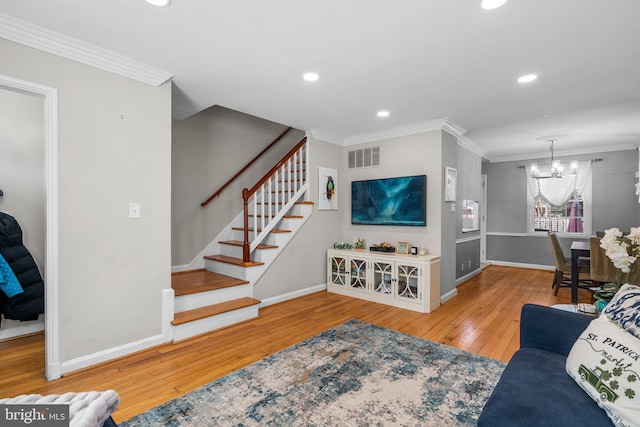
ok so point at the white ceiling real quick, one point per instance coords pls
(422, 60)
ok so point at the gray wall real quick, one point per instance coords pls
(469, 188)
(114, 148)
(208, 149)
(450, 218)
(22, 175)
(302, 263)
(614, 205)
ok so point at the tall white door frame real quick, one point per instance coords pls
(51, 309)
(483, 221)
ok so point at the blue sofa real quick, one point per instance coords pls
(535, 389)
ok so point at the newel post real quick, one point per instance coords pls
(246, 249)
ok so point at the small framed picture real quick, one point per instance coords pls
(403, 248)
(450, 184)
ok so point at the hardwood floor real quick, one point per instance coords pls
(483, 319)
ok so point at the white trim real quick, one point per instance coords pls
(432, 125)
(179, 268)
(446, 297)
(468, 239)
(20, 328)
(578, 152)
(112, 353)
(522, 265)
(132, 347)
(468, 276)
(52, 335)
(540, 234)
(28, 34)
(291, 295)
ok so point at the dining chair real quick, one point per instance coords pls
(562, 276)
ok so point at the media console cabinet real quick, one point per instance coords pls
(405, 281)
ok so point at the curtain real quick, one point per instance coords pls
(558, 191)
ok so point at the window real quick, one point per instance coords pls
(561, 205)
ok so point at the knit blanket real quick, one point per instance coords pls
(86, 409)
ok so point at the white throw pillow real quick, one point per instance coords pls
(605, 362)
(624, 309)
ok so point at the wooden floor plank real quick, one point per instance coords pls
(483, 318)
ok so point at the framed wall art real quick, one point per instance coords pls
(327, 189)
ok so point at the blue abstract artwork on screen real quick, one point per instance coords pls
(389, 201)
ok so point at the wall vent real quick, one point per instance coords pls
(364, 158)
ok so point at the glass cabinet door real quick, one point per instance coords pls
(338, 270)
(408, 281)
(382, 277)
(358, 273)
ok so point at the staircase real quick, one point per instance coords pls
(221, 294)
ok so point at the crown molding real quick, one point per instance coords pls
(28, 34)
(578, 152)
(438, 124)
(327, 137)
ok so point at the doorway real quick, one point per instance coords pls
(51, 270)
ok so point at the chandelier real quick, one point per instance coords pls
(557, 169)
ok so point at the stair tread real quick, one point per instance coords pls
(240, 243)
(212, 310)
(273, 230)
(233, 260)
(194, 281)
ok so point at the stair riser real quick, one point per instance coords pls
(298, 209)
(277, 239)
(250, 274)
(203, 299)
(201, 326)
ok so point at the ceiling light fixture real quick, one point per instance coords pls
(557, 169)
(383, 114)
(492, 4)
(311, 77)
(159, 3)
(527, 78)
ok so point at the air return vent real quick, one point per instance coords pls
(364, 158)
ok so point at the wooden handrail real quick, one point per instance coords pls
(221, 189)
(264, 179)
(247, 193)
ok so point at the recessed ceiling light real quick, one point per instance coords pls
(492, 4)
(383, 114)
(311, 77)
(528, 78)
(159, 3)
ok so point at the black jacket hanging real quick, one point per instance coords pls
(27, 305)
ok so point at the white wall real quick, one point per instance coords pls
(114, 148)
(402, 156)
(22, 180)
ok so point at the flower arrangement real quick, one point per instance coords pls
(622, 250)
(359, 243)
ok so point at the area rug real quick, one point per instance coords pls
(355, 374)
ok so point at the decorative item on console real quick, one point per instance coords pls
(359, 243)
(623, 252)
(342, 245)
(404, 247)
(382, 247)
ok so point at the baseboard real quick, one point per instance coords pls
(179, 268)
(20, 328)
(446, 297)
(111, 353)
(291, 295)
(468, 276)
(522, 265)
(126, 349)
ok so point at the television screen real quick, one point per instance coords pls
(389, 201)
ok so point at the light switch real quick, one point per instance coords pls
(134, 210)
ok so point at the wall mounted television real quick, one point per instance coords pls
(390, 201)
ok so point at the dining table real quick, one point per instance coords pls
(578, 250)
